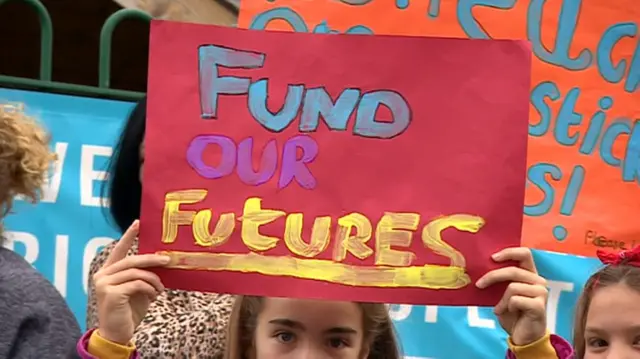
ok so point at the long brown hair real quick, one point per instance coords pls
(379, 331)
(605, 277)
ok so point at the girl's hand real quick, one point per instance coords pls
(522, 309)
(124, 289)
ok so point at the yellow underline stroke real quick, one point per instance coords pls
(430, 276)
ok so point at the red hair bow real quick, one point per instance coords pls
(629, 257)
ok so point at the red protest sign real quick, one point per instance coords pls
(341, 167)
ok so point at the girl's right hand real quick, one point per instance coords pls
(124, 289)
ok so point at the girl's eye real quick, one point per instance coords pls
(597, 342)
(636, 341)
(285, 337)
(337, 343)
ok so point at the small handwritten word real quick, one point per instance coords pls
(311, 102)
(603, 242)
(393, 236)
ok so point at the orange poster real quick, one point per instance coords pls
(583, 180)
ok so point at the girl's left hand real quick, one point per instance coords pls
(522, 309)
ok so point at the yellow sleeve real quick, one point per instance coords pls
(540, 349)
(105, 349)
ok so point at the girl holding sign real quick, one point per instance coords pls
(266, 328)
(176, 315)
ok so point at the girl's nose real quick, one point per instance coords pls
(313, 352)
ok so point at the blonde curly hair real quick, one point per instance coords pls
(25, 157)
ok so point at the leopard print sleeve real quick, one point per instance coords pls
(185, 325)
(179, 324)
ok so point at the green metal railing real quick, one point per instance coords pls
(45, 84)
(106, 36)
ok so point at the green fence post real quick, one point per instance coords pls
(106, 36)
(46, 37)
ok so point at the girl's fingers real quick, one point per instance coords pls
(138, 261)
(130, 275)
(525, 304)
(522, 255)
(136, 287)
(124, 244)
(510, 274)
(524, 290)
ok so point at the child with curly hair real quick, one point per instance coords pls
(35, 321)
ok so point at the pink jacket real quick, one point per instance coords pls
(562, 347)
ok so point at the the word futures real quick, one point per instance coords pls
(392, 266)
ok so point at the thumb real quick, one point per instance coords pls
(502, 307)
(533, 308)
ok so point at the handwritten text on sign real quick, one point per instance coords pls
(585, 103)
(280, 173)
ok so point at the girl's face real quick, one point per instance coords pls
(309, 329)
(613, 324)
